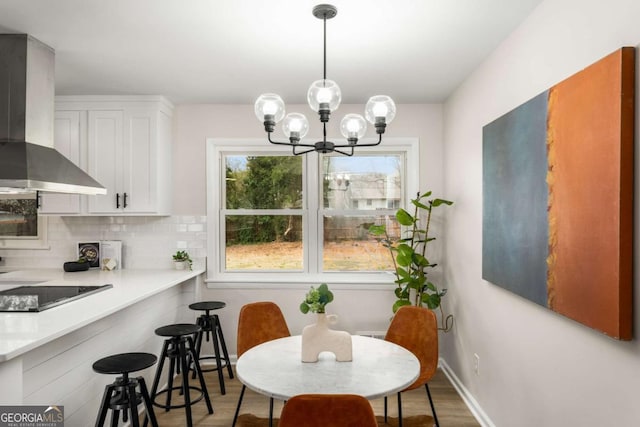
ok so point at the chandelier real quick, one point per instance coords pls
(324, 97)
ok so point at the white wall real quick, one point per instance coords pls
(364, 309)
(193, 124)
(537, 368)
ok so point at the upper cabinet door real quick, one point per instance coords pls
(68, 138)
(105, 148)
(126, 141)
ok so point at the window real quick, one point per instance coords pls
(20, 225)
(284, 218)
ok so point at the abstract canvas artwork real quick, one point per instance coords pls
(558, 197)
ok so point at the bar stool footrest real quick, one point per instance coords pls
(223, 364)
(183, 405)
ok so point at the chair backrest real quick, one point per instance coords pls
(327, 410)
(416, 329)
(260, 322)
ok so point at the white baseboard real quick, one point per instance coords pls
(468, 399)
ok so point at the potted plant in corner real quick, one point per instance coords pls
(408, 252)
(181, 260)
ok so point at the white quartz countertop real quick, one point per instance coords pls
(21, 332)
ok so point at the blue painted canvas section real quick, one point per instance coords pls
(514, 218)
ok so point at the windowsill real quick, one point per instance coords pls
(369, 286)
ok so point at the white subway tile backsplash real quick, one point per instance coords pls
(147, 241)
(195, 244)
(188, 219)
(195, 227)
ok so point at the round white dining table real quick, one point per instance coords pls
(379, 368)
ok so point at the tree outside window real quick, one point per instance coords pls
(302, 218)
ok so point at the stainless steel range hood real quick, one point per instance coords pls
(28, 161)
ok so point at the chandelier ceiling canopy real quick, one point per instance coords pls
(324, 97)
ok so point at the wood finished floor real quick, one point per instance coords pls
(451, 410)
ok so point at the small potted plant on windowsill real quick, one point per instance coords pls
(182, 260)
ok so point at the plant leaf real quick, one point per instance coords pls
(432, 300)
(438, 202)
(419, 260)
(403, 260)
(420, 205)
(401, 272)
(377, 229)
(304, 308)
(404, 217)
(400, 303)
(405, 249)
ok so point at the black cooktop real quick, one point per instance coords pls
(39, 298)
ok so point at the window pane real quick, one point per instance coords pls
(348, 246)
(263, 182)
(263, 242)
(18, 216)
(362, 182)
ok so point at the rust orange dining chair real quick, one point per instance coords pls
(327, 410)
(258, 323)
(416, 329)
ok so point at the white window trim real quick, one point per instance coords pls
(216, 147)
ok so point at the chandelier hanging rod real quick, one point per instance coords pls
(324, 96)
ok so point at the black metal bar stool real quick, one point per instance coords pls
(210, 324)
(121, 395)
(179, 348)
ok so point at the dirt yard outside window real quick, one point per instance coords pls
(353, 255)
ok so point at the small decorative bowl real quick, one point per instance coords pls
(75, 266)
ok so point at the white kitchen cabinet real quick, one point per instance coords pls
(69, 139)
(128, 151)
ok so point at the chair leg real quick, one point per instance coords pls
(235, 417)
(433, 408)
(203, 385)
(156, 379)
(385, 409)
(104, 406)
(115, 417)
(172, 365)
(219, 333)
(216, 350)
(147, 403)
(271, 412)
(399, 409)
(198, 341)
(182, 356)
(133, 407)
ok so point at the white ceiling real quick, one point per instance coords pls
(230, 51)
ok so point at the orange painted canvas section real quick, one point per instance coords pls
(590, 178)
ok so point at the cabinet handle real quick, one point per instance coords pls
(117, 200)
(38, 200)
(124, 203)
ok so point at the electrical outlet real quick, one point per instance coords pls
(476, 363)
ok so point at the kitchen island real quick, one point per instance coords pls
(46, 357)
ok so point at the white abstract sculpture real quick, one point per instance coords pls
(318, 338)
